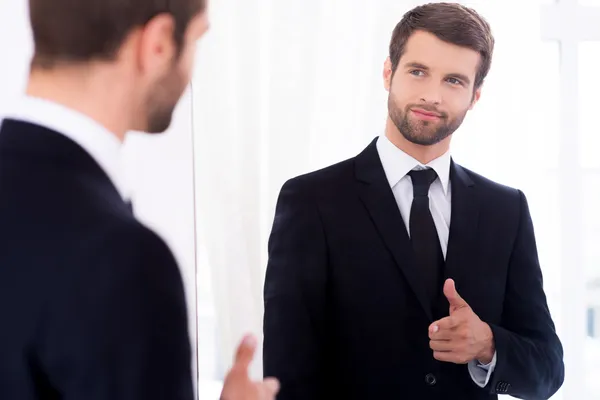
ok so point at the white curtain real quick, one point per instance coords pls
(284, 87)
(16, 45)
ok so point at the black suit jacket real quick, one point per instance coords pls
(346, 316)
(91, 302)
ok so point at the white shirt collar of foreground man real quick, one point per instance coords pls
(102, 145)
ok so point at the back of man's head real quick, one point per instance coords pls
(124, 63)
(78, 31)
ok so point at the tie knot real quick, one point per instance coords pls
(421, 180)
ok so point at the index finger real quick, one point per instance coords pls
(245, 352)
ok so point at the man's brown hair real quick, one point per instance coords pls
(452, 23)
(78, 31)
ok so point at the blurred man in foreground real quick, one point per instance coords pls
(91, 301)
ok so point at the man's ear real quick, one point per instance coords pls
(157, 46)
(476, 97)
(387, 74)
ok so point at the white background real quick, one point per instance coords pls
(283, 87)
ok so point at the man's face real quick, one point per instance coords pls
(432, 89)
(167, 88)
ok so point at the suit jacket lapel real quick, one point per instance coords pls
(378, 198)
(462, 242)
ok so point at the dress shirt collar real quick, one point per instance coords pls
(102, 145)
(397, 164)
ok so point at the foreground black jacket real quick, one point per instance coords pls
(91, 302)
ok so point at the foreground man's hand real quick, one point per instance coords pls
(238, 385)
(461, 337)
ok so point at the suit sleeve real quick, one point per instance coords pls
(529, 353)
(294, 296)
(118, 329)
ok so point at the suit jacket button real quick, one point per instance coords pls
(502, 387)
(430, 379)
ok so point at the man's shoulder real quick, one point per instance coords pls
(110, 244)
(328, 179)
(489, 186)
(130, 242)
(120, 254)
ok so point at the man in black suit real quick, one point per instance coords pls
(92, 303)
(371, 292)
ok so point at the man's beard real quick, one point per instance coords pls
(424, 133)
(162, 101)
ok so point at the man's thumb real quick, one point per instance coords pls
(245, 352)
(452, 295)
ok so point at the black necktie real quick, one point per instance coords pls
(423, 235)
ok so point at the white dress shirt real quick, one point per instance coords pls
(397, 164)
(102, 145)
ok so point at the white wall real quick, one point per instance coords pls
(159, 169)
(15, 47)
